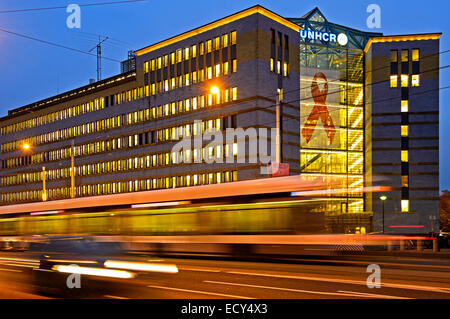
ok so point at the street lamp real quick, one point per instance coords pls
(383, 199)
(215, 90)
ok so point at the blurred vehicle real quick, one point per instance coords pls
(11, 244)
(82, 267)
(226, 218)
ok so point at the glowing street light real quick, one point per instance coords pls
(26, 146)
(215, 90)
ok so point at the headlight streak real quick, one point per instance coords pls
(93, 271)
(141, 266)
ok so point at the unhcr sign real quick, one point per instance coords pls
(342, 38)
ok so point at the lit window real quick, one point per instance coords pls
(271, 64)
(233, 37)
(235, 149)
(405, 206)
(405, 80)
(394, 56)
(209, 71)
(405, 156)
(415, 81)
(404, 181)
(217, 43)
(415, 55)
(394, 81)
(225, 68)
(405, 130)
(217, 70)
(405, 106)
(405, 55)
(225, 40)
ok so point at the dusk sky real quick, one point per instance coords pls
(31, 71)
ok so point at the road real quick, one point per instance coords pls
(331, 278)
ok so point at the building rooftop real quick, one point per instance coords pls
(236, 16)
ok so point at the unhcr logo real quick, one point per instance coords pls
(342, 38)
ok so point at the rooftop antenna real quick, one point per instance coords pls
(99, 56)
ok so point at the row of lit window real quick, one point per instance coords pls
(210, 153)
(280, 70)
(167, 134)
(190, 52)
(415, 55)
(191, 78)
(187, 105)
(415, 80)
(91, 106)
(127, 96)
(124, 186)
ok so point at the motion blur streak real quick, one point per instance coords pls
(342, 191)
(141, 266)
(93, 271)
(73, 261)
(160, 204)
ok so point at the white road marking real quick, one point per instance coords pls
(201, 292)
(284, 289)
(345, 281)
(197, 269)
(363, 294)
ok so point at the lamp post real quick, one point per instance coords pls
(383, 199)
(44, 191)
(27, 147)
(72, 170)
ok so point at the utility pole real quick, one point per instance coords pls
(99, 56)
(72, 171)
(44, 191)
(278, 115)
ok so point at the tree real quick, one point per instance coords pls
(444, 210)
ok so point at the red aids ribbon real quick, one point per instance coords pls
(319, 110)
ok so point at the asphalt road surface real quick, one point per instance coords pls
(331, 278)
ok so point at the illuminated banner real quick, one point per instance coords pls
(320, 110)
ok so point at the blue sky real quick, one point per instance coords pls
(31, 71)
